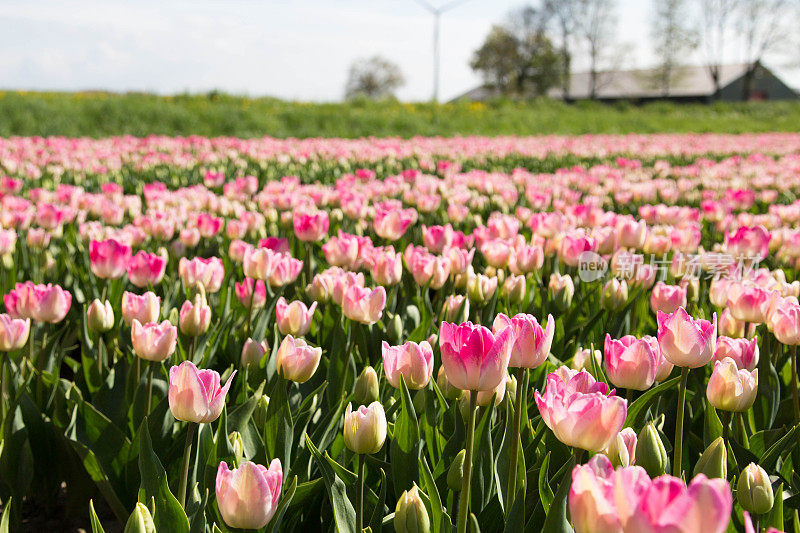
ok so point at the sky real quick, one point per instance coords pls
(297, 49)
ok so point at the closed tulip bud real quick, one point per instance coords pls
(714, 461)
(100, 316)
(514, 289)
(455, 309)
(235, 438)
(614, 295)
(622, 450)
(195, 316)
(448, 390)
(754, 490)
(731, 389)
(260, 413)
(140, 521)
(650, 452)
(365, 428)
(366, 389)
(561, 289)
(692, 287)
(394, 329)
(253, 351)
(410, 515)
(480, 288)
(456, 472)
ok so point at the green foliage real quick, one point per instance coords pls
(103, 114)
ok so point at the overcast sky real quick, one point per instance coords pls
(290, 49)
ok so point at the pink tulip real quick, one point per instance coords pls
(437, 238)
(38, 238)
(573, 245)
(626, 500)
(526, 259)
(630, 363)
(663, 367)
(630, 232)
(206, 272)
(579, 411)
(785, 323)
(731, 389)
(208, 225)
(364, 305)
(195, 395)
(748, 302)
(748, 525)
(473, 357)
(455, 305)
(622, 450)
(430, 270)
(245, 295)
(667, 298)
(190, 237)
(310, 226)
(146, 269)
(8, 240)
(386, 267)
(496, 252)
(747, 242)
(342, 250)
(392, 224)
(286, 271)
(145, 308)
(411, 360)
(276, 244)
(46, 303)
(108, 258)
(248, 496)
(297, 360)
(13, 332)
(153, 342)
(531, 342)
(259, 263)
(743, 351)
(342, 281)
(685, 341)
(194, 317)
(294, 318)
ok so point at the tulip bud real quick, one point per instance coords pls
(650, 452)
(235, 438)
(366, 388)
(195, 316)
(410, 515)
(365, 428)
(714, 461)
(692, 286)
(100, 316)
(253, 351)
(140, 521)
(260, 413)
(754, 490)
(514, 289)
(614, 295)
(394, 330)
(622, 450)
(561, 289)
(456, 472)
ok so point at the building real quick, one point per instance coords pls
(688, 84)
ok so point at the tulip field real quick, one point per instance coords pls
(560, 333)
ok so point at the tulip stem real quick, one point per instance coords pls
(360, 495)
(2, 390)
(795, 399)
(150, 387)
(466, 480)
(187, 452)
(743, 430)
(512, 478)
(677, 470)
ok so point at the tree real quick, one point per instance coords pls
(561, 15)
(595, 22)
(518, 58)
(673, 39)
(716, 15)
(764, 28)
(373, 78)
